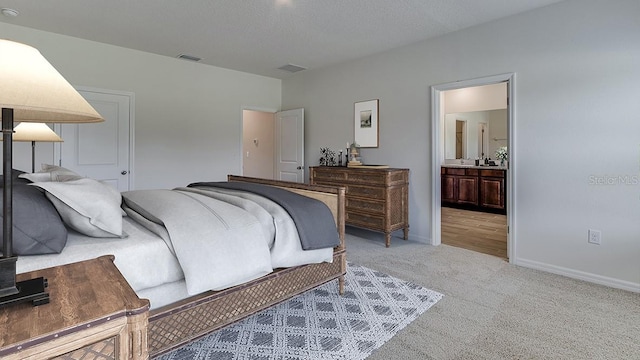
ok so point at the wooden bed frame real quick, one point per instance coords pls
(176, 324)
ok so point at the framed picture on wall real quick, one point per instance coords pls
(366, 123)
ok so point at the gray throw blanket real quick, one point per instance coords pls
(314, 221)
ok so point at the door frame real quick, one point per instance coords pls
(437, 143)
(57, 147)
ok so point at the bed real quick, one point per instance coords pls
(182, 306)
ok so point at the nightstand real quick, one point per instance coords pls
(93, 313)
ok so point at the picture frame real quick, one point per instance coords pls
(366, 123)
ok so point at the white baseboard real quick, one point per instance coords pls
(580, 275)
(420, 239)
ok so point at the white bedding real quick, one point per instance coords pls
(143, 258)
(217, 244)
(147, 257)
(284, 244)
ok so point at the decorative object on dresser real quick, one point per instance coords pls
(327, 157)
(376, 199)
(353, 154)
(93, 313)
(31, 90)
(366, 123)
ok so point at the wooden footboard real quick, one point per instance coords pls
(177, 324)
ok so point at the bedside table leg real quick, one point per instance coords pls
(387, 239)
(406, 232)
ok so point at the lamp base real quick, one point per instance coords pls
(12, 292)
(8, 276)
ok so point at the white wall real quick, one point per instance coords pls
(576, 125)
(476, 98)
(188, 116)
(498, 132)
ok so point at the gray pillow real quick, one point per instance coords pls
(37, 227)
(15, 177)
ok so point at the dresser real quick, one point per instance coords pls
(376, 199)
(93, 314)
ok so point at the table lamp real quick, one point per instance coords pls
(31, 90)
(34, 132)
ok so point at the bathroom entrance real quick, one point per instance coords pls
(472, 179)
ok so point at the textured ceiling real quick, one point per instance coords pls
(258, 36)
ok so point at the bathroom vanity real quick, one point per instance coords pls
(481, 188)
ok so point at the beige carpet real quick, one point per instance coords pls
(494, 310)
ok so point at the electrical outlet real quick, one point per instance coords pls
(595, 236)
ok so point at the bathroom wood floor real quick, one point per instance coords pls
(473, 230)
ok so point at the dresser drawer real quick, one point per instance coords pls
(367, 177)
(364, 205)
(370, 192)
(329, 176)
(374, 222)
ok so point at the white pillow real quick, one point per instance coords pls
(87, 206)
(51, 173)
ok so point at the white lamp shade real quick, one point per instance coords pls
(36, 91)
(38, 132)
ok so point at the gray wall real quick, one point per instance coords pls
(576, 126)
(188, 116)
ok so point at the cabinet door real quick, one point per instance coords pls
(492, 192)
(468, 190)
(449, 188)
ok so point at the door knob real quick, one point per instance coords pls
(299, 168)
(123, 172)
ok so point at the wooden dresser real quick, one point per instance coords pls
(376, 199)
(93, 314)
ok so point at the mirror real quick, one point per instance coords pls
(475, 134)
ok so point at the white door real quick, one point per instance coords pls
(100, 151)
(289, 145)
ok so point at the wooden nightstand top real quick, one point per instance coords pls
(83, 295)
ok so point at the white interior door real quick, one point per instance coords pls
(290, 145)
(100, 151)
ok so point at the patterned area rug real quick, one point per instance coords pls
(320, 324)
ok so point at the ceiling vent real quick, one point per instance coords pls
(9, 12)
(292, 68)
(189, 57)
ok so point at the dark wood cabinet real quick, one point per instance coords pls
(459, 186)
(376, 199)
(473, 188)
(492, 189)
(449, 186)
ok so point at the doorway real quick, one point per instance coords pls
(484, 140)
(258, 134)
(273, 144)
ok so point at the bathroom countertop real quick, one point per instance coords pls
(495, 167)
